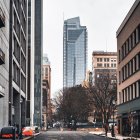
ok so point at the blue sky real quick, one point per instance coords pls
(102, 18)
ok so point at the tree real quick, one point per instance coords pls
(73, 103)
(103, 93)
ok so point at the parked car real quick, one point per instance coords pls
(110, 125)
(8, 132)
(28, 131)
(35, 129)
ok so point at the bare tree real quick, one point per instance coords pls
(103, 93)
(73, 103)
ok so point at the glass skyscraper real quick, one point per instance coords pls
(74, 52)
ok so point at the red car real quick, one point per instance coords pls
(28, 131)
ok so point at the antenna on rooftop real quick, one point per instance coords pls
(63, 17)
(106, 45)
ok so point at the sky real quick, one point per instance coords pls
(102, 19)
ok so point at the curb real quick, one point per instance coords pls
(27, 138)
(105, 137)
(101, 135)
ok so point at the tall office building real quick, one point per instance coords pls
(128, 98)
(4, 62)
(38, 61)
(31, 56)
(74, 52)
(35, 50)
(18, 62)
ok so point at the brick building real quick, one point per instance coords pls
(128, 46)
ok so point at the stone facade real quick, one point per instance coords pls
(4, 66)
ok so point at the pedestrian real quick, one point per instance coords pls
(106, 128)
(115, 129)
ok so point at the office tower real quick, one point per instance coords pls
(128, 46)
(35, 48)
(31, 63)
(38, 63)
(46, 76)
(104, 63)
(4, 62)
(17, 63)
(74, 52)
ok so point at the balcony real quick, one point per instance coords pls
(2, 19)
(2, 57)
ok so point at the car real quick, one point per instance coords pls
(35, 129)
(8, 132)
(111, 124)
(28, 131)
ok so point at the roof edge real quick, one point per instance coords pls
(134, 6)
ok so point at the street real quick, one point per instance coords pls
(68, 135)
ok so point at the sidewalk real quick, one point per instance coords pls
(117, 137)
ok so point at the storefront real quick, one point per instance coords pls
(129, 123)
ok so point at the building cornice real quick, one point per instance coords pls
(136, 3)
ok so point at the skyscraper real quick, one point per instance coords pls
(74, 52)
(31, 63)
(4, 62)
(18, 63)
(35, 50)
(38, 63)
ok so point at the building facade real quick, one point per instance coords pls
(31, 56)
(46, 109)
(18, 63)
(128, 46)
(104, 63)
(4, 62)
(38, 62)
(74, 52)
(88, 81)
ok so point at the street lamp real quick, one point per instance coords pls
(113, 103)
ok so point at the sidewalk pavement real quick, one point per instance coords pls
(117, 137)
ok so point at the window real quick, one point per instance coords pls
(119, 77)
(119, 55)
(98, 60)
(99, 64)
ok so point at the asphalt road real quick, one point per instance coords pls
(67, 135)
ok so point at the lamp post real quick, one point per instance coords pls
(113, 103)
(38, 124)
